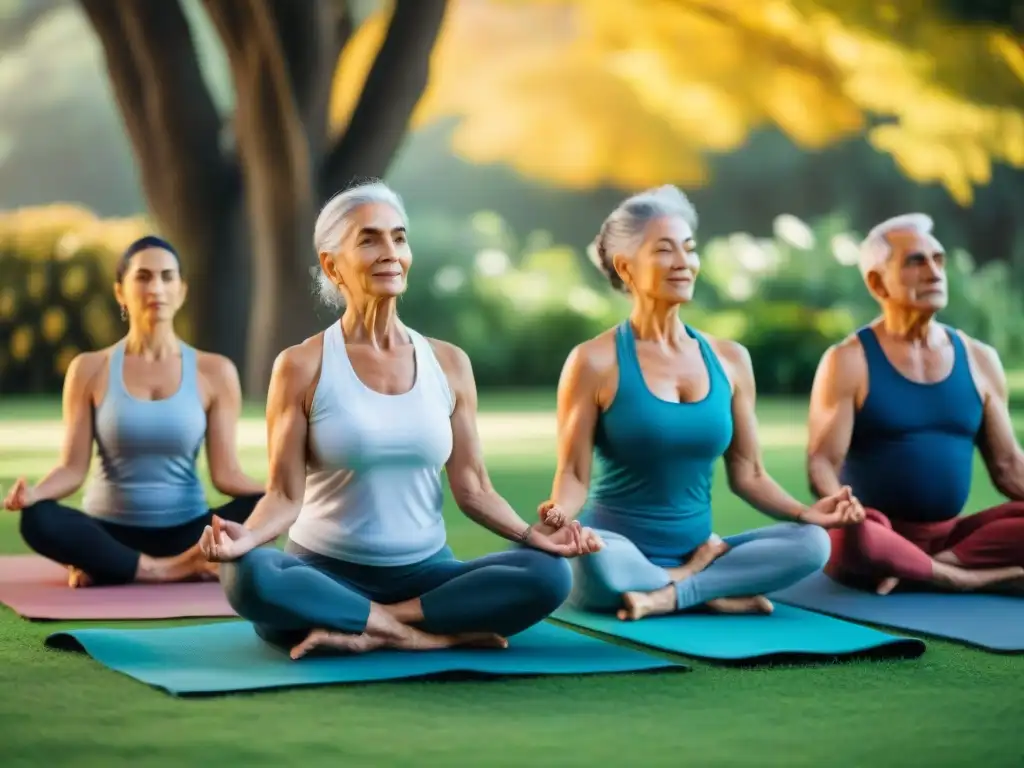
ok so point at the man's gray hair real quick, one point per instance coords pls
(875, 249)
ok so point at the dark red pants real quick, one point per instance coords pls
(878, 547)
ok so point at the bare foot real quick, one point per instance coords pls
(636, 605)
(77, 578)
(965, 580)
(339, 642)
(704, 555)
(416, 640)
(887, 585)
(413, 640)
(738, 605)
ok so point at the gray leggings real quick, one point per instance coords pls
(759, 561)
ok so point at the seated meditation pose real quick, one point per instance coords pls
(659, 403)
(362, 418)
(148, 403)
(896, 411)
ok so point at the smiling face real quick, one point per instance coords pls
(151, 289)
(666, 265)
(914, 276)
(374, 258)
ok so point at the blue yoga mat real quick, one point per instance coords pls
(992, 622)
(787, 635)
(229, 656)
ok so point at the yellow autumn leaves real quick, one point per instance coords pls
(629, 93)
(64, 253)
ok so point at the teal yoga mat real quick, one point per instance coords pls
(229, 656)
(788, 634)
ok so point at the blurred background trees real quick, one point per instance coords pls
(510, 127)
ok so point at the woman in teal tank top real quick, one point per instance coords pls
(658, 404)
(148, 403)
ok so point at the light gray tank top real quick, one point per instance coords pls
(147, 452)
(373, 483)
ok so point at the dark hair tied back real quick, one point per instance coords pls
(149, 241)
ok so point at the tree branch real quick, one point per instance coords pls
(167, 109)
(267, 122)
(312, 35)
(393, 88)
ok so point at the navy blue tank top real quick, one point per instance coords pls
(911, 455)
(656, 459)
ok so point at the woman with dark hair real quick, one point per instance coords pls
(149, 402)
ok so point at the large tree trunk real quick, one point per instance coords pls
(244, 224)
(192, 186)
(274, 149)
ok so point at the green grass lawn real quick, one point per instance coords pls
(952, 707)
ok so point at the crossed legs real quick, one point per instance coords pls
(726, 576)
(304, 603)
(980, 552)
(102, 553)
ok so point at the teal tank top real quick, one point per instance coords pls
(655, 459)
(147, 451)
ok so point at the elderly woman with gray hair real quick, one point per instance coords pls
(362, 418)
(659, 403)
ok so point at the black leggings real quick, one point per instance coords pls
(108, 552)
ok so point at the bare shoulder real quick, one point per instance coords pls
(594, 358)
(847, 353)
(984, 355)
(453, 359)
(85, 366)
(731, 352)
(87, 372)
(985, 361)
(844, 364)
(217, 369)
(296, 368)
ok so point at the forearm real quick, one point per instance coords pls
(488, 509)
(760, 491)
(237, 484)
(569, 492)
(273, 515)
(823, 476)
(1010, 478)
(60, 483)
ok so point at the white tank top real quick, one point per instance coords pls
(373, 480)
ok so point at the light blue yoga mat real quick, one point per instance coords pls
(788, 634)
(229, 656)
(992, 622)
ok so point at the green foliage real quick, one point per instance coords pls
(517, 304)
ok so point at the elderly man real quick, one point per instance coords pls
(896, 411)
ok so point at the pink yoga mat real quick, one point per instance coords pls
(37, 588)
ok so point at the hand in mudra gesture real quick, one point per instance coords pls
(551, 514)
(570, 540)
(223, 541)
(840, 509)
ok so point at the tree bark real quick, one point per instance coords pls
(393, 87)
(193, 189)
(245, 223)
